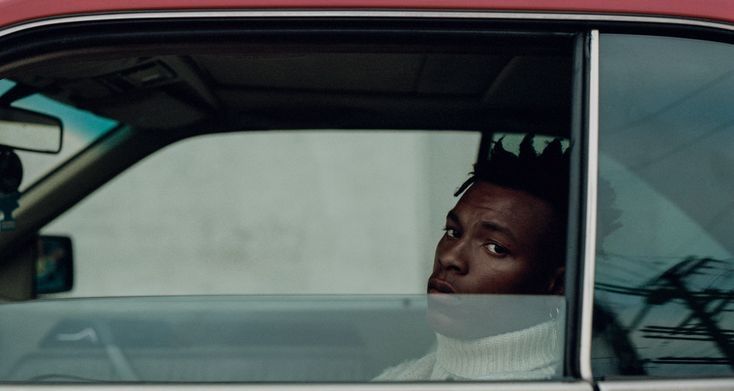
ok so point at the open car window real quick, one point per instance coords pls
(274, 208)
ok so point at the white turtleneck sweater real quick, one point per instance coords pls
(528, 354)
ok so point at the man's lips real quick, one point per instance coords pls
(436, 285)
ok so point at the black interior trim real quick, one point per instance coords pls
(577, 209)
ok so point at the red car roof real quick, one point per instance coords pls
(15, 11)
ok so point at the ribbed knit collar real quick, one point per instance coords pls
(531, 353)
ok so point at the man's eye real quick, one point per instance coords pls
(496, 249)
(452, 233)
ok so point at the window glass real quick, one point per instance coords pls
(284, 338)
(665, 270)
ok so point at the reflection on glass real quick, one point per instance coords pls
(272, 338)
(665, 267)
(489, 337)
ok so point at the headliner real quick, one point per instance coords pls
(499, 83)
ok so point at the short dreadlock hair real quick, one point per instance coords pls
(544, 175)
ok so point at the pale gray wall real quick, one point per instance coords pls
(276, 212)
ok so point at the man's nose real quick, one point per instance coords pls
(452, 256)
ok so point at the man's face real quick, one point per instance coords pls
(496, 242)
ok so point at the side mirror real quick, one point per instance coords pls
(54, 265)
(30, 131)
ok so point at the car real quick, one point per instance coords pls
(247, 194)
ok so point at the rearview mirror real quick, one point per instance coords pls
(30, 131)
(54, 265)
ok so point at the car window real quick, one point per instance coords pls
(665, 213)
(300, 208)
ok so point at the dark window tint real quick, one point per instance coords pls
(665, 278)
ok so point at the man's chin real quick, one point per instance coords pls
(447, 314)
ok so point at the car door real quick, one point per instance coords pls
(654, 219)
(281, 72)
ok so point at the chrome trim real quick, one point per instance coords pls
(453, 386)
(668, 385)
(258, 13)
(592, 172)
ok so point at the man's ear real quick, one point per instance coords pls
(556, 284)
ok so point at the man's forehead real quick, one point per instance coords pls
(487, 195)
(494, 201)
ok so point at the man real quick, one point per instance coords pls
(505, 236)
